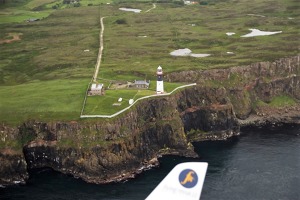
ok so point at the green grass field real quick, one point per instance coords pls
(45, 70)
(57, 99)
(103, 105)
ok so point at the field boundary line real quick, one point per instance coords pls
(139, 99)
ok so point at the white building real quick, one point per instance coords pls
(140, 84)
(96, 89)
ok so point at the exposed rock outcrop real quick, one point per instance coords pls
(13, 167)
(207, 114)
(247, 84)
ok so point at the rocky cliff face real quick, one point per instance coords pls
(207, 113)
(102, 151)
(13, 167)
(246, 85)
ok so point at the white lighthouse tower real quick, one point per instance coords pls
(160, 82)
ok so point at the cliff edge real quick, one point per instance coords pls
(102, 151)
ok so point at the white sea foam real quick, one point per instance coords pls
(17, 182)
(256, 32)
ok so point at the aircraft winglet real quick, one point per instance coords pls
(185, 181)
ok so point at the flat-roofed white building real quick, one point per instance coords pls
(140, 84)
(96, 89)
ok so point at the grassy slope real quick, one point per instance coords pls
(58, 99)
(20, 10)
(50, 54)
(44, 76)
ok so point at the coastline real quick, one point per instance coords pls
(145, 166)
(279, 117)
(105, 151)
(286, 115)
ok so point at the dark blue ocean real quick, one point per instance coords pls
(262, 164)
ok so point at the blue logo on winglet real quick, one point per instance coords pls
(188, 178)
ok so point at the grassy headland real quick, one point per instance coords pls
(44, 75)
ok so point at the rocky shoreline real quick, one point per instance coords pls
(283, 116)
(144, 166)
(274, 117)
(286, 115)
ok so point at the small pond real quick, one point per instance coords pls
(256, 32)
(130, 10)
(187, 52)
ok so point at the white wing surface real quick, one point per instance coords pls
(184, 182)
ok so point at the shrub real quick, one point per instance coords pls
(121, 21)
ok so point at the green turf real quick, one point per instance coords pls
(51, 51)
(40, 100)
(281, 101)
(103, 105)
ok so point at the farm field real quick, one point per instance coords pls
(44, 74)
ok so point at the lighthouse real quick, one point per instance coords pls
(160, 82)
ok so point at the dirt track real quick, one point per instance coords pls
(16, 37)
(100, 51)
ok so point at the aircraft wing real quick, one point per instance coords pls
(184, 182)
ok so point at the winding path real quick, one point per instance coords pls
(100, 51)
(154, 6)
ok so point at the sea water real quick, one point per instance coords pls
(259, 164)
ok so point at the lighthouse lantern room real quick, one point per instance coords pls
(159, 83)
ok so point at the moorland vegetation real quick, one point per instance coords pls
(44, 75)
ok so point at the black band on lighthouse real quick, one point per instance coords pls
(159, 78)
